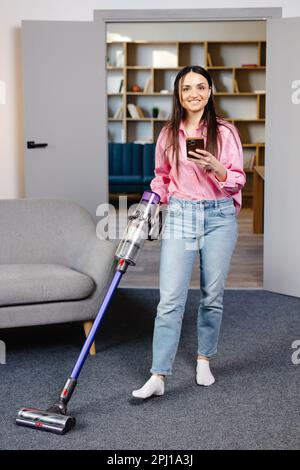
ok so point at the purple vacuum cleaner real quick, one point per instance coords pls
(142, 225)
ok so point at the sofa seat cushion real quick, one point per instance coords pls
(37, 283)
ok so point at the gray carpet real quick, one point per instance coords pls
(254, 403)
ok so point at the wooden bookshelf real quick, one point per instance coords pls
(238, 71)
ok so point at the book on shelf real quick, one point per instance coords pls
(248, 161)
(148, 86)
(119, 58)
(114, 84)
(235, 86)
(121, 86)
(209, 61)
(140, 112)
(119, 113)
(135, 111)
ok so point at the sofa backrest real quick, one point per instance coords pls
(125, 159)
(43, 231)
(148, 162)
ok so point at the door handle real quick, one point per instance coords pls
(32, 145)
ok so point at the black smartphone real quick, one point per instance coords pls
(193, 144)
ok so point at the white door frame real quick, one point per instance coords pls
(104, 17)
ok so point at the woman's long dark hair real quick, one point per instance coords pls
(209, 117)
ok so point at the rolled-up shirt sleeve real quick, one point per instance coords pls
(232, 159)
(160, 182)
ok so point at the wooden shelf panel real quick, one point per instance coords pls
(248, 120)
(139, 119)
(258, 144)
(244, 93)
(137, 67)
(251, 41)
(252, 52)
(141, 93)
(237, 67)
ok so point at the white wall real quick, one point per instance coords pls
(12, 12)
(203, 31)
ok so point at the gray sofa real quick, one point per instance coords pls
(53, 268)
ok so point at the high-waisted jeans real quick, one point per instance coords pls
(209, 228)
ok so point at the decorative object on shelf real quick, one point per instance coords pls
(155, 112)
(136, 88)
(164, 92)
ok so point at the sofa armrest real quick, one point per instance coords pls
(97, 260)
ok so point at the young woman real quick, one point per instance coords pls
(204, 198)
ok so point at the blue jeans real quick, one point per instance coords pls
(210, 229)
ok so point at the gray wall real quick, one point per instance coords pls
(282, 188)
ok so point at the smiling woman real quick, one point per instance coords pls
(195, 94)
(204, 198)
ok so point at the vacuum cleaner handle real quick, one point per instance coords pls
(55, 419)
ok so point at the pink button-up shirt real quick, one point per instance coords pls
(190, 182)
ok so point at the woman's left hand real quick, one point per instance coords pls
(208, 163)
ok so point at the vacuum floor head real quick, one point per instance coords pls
(45, 420)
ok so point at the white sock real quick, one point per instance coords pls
(154, 386)
(203, 373)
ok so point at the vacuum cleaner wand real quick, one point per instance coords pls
(142, 225)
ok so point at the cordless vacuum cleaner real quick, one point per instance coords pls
(143, 224)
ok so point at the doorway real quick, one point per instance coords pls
(140, 76)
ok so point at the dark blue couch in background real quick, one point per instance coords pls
(131, 167)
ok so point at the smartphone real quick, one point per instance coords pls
(193, 144)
